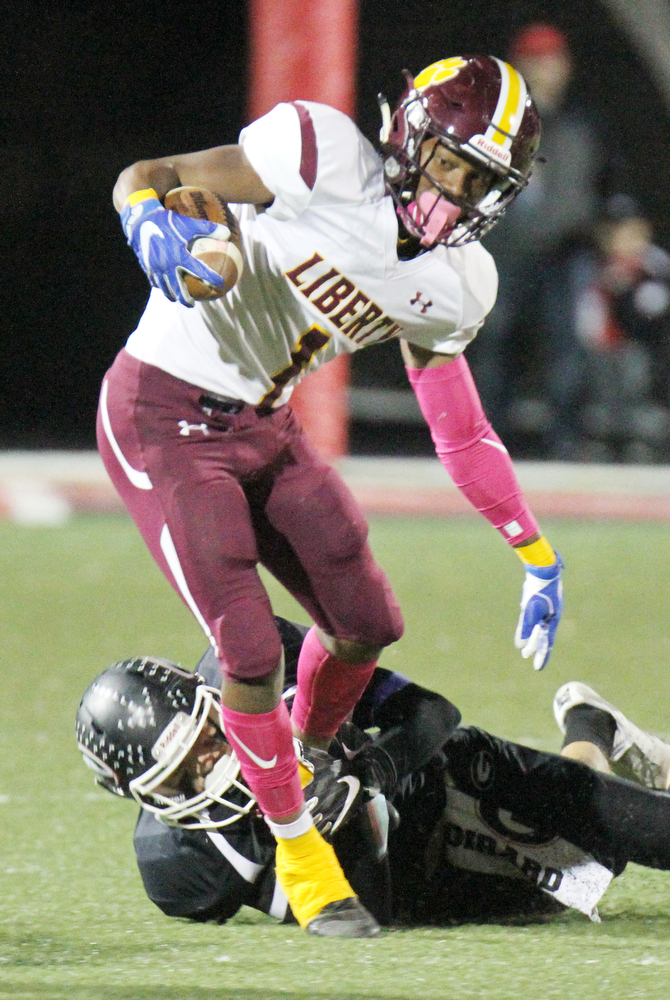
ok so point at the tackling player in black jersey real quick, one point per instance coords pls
(432, 822)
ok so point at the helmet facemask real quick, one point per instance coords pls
(186, 807)
(138, 728)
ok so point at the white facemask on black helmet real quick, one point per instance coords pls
(136, 724)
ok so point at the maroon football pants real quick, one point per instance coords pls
(214, 494)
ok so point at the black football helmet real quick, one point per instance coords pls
(135, 725)
(480, 109)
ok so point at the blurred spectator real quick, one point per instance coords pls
(607, 309)
(562, 198)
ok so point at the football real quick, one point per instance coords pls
(223, 256)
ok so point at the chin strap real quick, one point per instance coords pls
(385, 110)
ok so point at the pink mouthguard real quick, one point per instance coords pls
(438, 211)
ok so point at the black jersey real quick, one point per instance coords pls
(210, 874)
(493, 829)
(488, 828)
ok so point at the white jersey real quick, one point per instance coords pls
(321, 276)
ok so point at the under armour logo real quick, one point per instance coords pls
(185, 428)
(424, 305)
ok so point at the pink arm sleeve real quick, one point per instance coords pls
(469, 448)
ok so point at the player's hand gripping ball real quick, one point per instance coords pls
(220, 253)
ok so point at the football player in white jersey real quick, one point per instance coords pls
(343, 248)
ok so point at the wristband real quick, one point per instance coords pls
(539, 553)
(135, 208)
(138, 196)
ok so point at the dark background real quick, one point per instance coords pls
(92, 87)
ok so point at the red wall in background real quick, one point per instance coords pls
(307, 49)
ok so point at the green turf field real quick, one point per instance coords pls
(74, 921)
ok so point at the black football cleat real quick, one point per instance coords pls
(344, 918)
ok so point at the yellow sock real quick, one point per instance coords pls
(539, 553)
(309, 873)
(305, 775)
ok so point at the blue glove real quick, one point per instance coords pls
(161, 242)
(541, 608)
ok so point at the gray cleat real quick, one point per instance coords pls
(344, 918)
(636, 755)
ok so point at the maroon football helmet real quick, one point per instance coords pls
(480, 109)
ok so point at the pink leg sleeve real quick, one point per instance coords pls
(328, 688)
(264, 746)
(469, 448)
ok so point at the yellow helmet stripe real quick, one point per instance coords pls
(510, 108)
